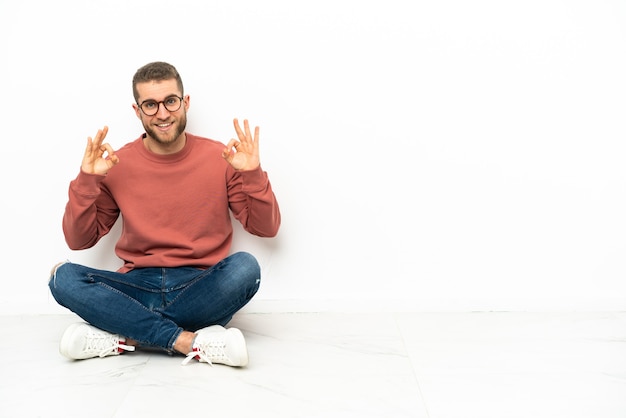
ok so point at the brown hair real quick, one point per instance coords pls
(156, 71)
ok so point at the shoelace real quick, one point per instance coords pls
(105, 344)
(207, 351)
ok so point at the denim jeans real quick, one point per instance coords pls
(154, 305)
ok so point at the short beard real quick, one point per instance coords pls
(154, 134)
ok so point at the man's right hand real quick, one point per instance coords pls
(94, 160)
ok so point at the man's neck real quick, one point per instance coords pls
(161, 148)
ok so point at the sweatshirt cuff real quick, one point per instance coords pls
(87, 184)
(254, 180)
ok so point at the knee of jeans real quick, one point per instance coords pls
(53, 273)
(249, 263)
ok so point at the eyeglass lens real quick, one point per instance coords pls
(151, 107)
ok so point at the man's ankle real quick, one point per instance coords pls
(184, 342)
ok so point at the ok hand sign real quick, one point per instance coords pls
(94, 160)
(243, 154)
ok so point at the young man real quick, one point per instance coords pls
(178, 286)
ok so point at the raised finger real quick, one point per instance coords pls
(102, 133)
(238, 129)
(92, 144)
(246, 127)
(89, 147)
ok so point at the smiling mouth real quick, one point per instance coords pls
(163, 125)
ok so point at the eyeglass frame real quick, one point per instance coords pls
(159, 103)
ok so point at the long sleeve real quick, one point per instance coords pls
(253, 202)
(89, 213)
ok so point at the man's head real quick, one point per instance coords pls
(156, 71)
(161, 106)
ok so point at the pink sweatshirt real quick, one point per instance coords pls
(175, 208)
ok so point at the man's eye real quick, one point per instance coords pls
(149, 105)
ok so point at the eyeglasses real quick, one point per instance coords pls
(151, 107)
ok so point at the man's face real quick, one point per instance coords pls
(165, 127)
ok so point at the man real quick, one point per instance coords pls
(179, 286)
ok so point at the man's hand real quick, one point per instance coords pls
(94, 160)
(243, 154)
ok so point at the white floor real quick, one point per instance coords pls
(444, 365)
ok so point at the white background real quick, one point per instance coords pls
(427, 155)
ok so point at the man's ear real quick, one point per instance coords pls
(137, 110)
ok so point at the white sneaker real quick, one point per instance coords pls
(82, 341)
(216, 344)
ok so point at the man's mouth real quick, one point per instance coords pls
(163, 126)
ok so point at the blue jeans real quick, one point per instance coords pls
(154, 305)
